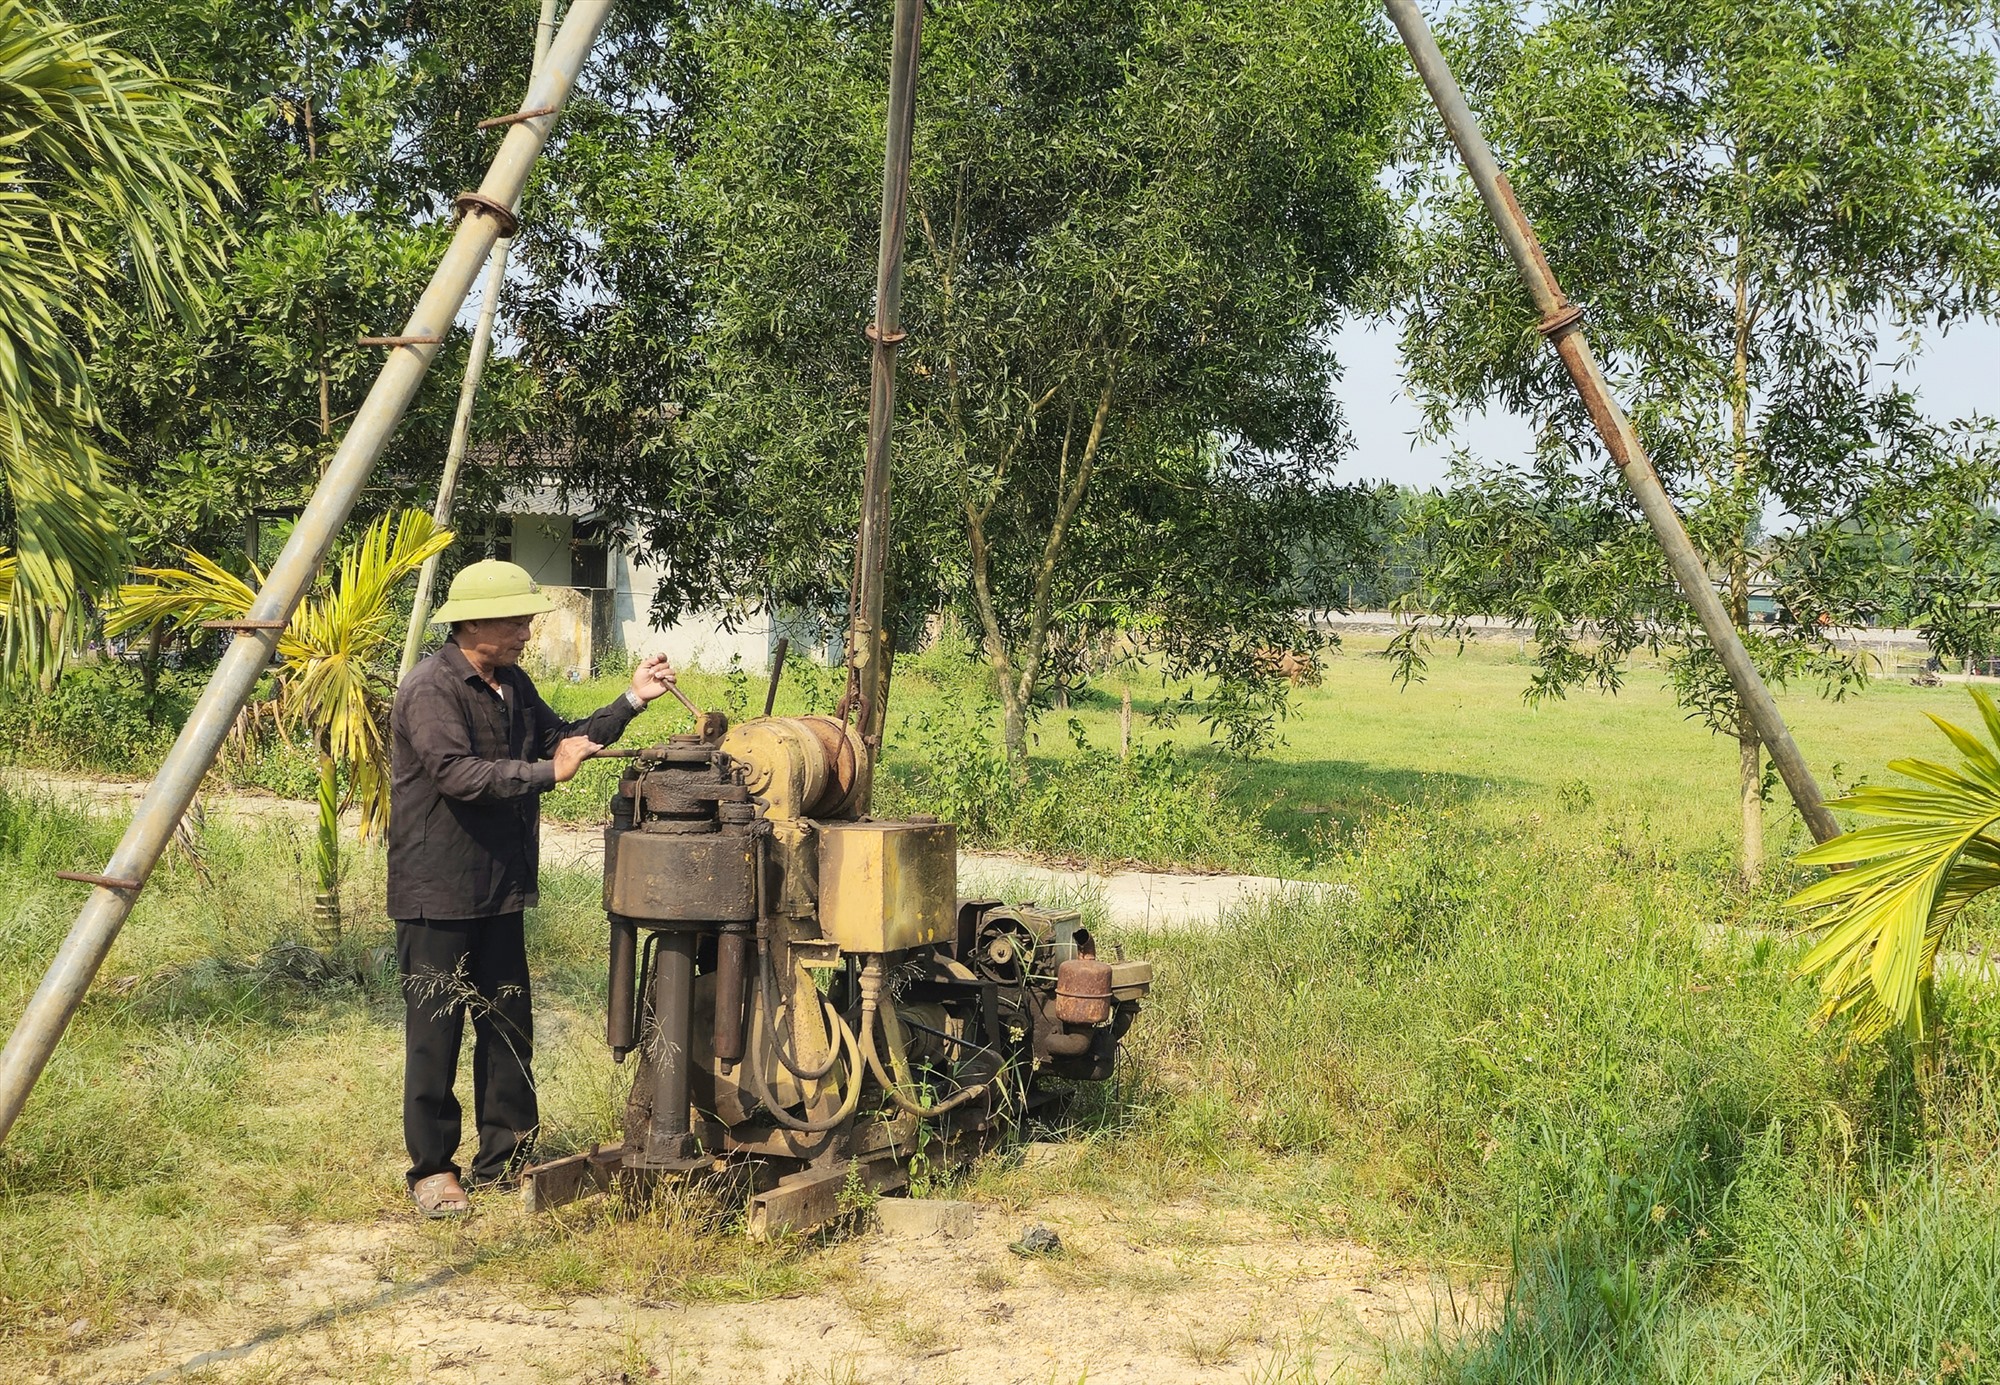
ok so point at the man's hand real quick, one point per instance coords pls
(572, 752)
(653, 678)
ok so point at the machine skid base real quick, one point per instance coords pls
(779, 1201)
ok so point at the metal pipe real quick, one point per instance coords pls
(732, 971)
(468, 389)
(777, 672)
(173, 789)
(1562, 325)
(669, 1048)
(623, 990)
(865, 685)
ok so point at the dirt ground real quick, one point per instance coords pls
(1161, 1295)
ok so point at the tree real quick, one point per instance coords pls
(338, 662)
(353, 126)
(108, 181)
(1753, 205)
(1132, 228)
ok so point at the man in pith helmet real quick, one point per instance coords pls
(475, 749)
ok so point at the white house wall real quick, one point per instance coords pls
(541, 545)
(696, 639)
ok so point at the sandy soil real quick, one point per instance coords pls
(1163, 1295)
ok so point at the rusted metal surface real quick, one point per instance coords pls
(1083, 991)
(777, 671)
(502, 211)
(667, 1138)
(811, 1198)
(1561, 323)
(561, 1181)
(244, 625)
(620, 1006)
(732, 977)
(109, 882)
(681, 877)
(494, 122)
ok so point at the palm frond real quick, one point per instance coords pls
(109, 173)
(339, 649)
(1881, 921)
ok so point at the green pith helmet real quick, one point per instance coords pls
(491, 590)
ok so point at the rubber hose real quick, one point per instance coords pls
(762, 1088)
(766, 989)
(915, 1108)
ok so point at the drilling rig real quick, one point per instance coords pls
(809, 999)
(806, 995)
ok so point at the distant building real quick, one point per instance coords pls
(604, 596)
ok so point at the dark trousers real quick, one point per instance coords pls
(451, 967)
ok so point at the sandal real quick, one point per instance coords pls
(440, 1196)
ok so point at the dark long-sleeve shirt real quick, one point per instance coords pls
(469, 770)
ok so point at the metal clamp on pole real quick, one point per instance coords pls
(1562, 321)
(399, 341)
(1561, 324)
(471, 203)
(244, 625)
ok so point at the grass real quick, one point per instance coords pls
(1534, 1027)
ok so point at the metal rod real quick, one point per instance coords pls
(1561, 323)
(777, 671)
(865, 684)
(475, 371)
(173, 789)
(669, 1048)
(622, 988)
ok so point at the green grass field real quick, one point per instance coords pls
(1536, 1027)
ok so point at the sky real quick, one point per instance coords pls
(1953, 377)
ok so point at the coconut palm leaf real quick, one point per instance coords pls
(109, 175)
(338, 652)
(1881, 921)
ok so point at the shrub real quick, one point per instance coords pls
(98, 717)
(1157, 806)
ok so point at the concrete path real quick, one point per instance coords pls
(1128, 898)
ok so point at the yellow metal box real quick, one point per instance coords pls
(886, 886)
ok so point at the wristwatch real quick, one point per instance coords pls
(637, 702)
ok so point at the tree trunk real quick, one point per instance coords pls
(1749, 751)
(326, 853)
(1750, 785)
(1014, 728)
(1125, 726)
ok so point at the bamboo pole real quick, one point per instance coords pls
(868, 650)
(1562, 324)
(468, 390)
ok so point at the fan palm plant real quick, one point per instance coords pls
(1881, 920)
(338, 662)
(106, 169)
